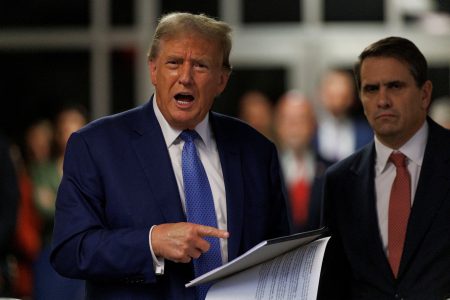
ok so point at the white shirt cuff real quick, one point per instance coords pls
(158, 262)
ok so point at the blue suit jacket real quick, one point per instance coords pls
(355, 265)
(118, 181)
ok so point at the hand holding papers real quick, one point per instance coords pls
(281, 268)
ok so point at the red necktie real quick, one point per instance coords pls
(399, 208)
(299, 196)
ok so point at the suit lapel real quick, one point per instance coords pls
(365, 210)
(230, 159)
(151, 150)
(148, 143)
(432, 189)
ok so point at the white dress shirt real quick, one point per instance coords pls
(295, 169)
(209, 155)
(337, 138)
(385, 173)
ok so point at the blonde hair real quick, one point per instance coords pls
(173, 24)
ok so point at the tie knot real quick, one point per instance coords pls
(398, 159)
(189, 135)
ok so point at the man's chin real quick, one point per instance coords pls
(183, 121)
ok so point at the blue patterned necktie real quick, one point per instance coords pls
(199, 206)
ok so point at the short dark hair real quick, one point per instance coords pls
(398, 48)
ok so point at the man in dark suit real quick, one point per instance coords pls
(121, 219)
(389, 219)
(303, 168)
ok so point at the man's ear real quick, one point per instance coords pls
(152, 70)
(223, 80)
(427, 90)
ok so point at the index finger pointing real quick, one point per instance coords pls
(212, 231)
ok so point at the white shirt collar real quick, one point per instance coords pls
(414, 149)
(171, 134)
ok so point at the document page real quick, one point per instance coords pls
(293, 275)
(262, 252)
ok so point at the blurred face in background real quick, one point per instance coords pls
(393, 103)
(67, 122)
(337, 93)
(295, 122)
(187, 74)
(39, 138)
(255, 108)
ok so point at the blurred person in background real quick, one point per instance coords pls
(295, 126)
(9, 201)
(38, 141)
(440, 111)
(256, 109)
(46, 178)
(46, 173)
(339, 133)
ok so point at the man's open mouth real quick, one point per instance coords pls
(184, 98)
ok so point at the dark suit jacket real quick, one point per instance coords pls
(363, 132)
(315, 209)
(118, 181)
(355, 265)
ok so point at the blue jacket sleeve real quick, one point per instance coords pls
(85, 245)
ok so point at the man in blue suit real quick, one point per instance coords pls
(121, 219)
(388, 205)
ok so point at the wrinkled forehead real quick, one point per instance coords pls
(190, 34)
(194, 43)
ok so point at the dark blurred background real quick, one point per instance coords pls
(292, 66)
(94, 52)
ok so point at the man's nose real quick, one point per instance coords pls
(185, 75)
(383, 98)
